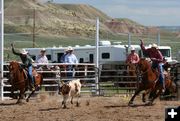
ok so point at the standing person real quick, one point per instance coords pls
(62, 59)
(42, 58)
(26, 63)
(133, 57)
(157, 60)
(71, 59)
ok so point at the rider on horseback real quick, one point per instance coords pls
(27, 63)
(157, 60)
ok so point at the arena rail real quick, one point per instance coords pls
(83, 71)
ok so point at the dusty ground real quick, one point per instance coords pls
(48, 108)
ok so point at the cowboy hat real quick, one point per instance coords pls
(154, 46)
(132, 48)
(43, 49)
(24, 52)
(70, 48)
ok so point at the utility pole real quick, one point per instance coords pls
(34, 15)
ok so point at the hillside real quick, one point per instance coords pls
(54, 19)
(63, 19)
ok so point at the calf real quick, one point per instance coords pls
(70, 89)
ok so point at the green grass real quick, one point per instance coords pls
(25, 41)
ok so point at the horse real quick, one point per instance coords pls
(149, 82)
(131, 71)
(19, 80)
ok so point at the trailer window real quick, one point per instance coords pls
(33, 57)
(59, 57)
(81, 60)
(49, 57)
(165, 52)
(91, 58)
(105, 55)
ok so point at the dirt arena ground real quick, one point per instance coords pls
(48, 108)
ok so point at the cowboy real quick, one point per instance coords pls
(71, 59)
(26, 63)
(62, 59)
(157, 60)
(41, 58)
(133, 57)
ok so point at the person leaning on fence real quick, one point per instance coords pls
(132, 57)
(71, 59)
(26, 63)
(41, 58)
(157, 60)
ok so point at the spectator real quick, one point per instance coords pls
(71, 59)
(62, 59)
(42, 59)
(132, 57)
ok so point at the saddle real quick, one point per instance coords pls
(166, 74)
(34, 74)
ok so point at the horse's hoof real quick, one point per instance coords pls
(143, 100)
(77, 104)
(18, 102)
(149, 103)
(130, 103)
(64, 107)
(27, 100)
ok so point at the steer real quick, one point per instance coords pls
(70, 89)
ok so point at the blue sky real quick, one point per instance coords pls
(146, 12)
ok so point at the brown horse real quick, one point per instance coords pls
(149, 82)
(131, 71)
(19, 80)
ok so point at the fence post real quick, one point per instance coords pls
(2, 89)
(97, 55)
(2, 45)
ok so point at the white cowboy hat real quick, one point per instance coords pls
(154, 45)
(24, 52)
(132, 48)
(70, 48)
(43, 49)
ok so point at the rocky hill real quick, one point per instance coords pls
(64, 19)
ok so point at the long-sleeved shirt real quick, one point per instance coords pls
(155, 56)
(71, 58)
(26, 60)
(41, 59)
(133, 58)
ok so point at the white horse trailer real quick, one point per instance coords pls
(86, 54)
(108, 54)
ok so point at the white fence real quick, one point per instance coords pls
(84, 71)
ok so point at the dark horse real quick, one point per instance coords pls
(19, 80)
(149, 82)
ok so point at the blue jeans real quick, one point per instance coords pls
(160, 69)
(30, 74)
(70, 68)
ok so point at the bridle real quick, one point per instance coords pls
(141, 73)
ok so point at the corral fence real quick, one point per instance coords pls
(116, 79)
(53, 74)
(113, 79)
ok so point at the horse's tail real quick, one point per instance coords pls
(41, 79)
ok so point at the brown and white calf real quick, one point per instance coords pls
(70, 89)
